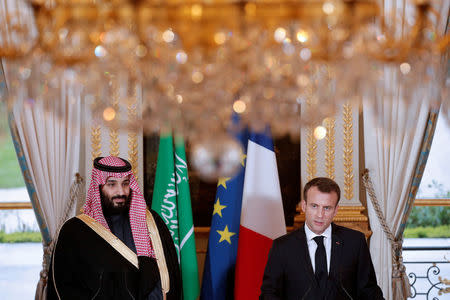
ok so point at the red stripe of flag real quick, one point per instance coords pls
(252, 258)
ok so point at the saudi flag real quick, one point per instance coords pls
(164, 200)
(188, 263)
(172, 201)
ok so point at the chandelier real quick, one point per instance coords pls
(193, 63)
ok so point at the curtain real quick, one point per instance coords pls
(396, 151)
(399, 122)
(420, 167)
(46, 135)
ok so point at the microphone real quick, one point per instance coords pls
(306, 294)
(343, 288)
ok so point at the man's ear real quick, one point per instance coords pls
(336, 210)
(303, 205)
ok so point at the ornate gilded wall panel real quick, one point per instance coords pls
(101, 140)
(330, 124)
(336, 155)
(311, 154)
(347, 156)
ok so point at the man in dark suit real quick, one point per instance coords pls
(320, 260)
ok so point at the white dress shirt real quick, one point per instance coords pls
(312, 245)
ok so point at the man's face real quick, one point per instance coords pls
(319, 209)
(116, 194)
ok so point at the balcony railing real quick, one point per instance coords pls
(428, 269)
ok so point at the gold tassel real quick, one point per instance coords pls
(400, 287)
(41, 287)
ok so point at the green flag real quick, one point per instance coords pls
(164, 200)
(172, 201)
(188, 263)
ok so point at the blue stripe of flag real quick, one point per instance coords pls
(263, 138)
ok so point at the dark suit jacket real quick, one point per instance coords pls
(289, 273)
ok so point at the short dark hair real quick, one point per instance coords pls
(323, 184)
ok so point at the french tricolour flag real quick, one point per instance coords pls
(262, 217)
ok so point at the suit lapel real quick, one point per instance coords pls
(336, 251)
(304, 255)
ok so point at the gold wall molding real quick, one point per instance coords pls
(348, 211)
(132, 136)
(348, 152)
(344, 214)
(96, 141)
(15, 205)
(348, 216)
(114, 142)
(432, 202)
(311, 164)
(330, 124)
(96, 136)
(113, 132)
(133, 152)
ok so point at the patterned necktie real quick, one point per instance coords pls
(320, 262)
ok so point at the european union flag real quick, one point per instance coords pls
(218, 275)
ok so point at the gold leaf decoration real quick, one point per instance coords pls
(114, 142)
(133, 152)
(330, 124)
(96, 141)
(311, 154)
(132, 137)
(348, 152)
(113, 132)
(96, 136)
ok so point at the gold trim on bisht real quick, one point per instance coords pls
(348, 152)
(330, 145)
(111, 239)
(159, 253)
(311, 153)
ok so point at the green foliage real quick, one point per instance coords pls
(10, 173)
(429, 216)
(428, 232)
(3, 119)
(20, 237)
(430, 221)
